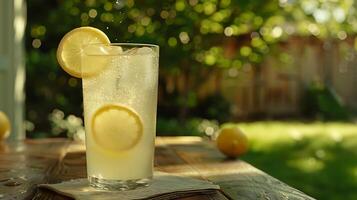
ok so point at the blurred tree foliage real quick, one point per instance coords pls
(196, 38)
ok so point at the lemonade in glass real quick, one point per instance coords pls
(120, 84)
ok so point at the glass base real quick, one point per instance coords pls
(112, 185)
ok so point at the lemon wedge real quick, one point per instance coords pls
(116, 127)
(71, 49)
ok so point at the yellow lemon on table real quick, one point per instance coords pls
(4, 126)
(232, 142)
(71, 49)
(116, 127)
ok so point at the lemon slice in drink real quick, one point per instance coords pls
(116, 127)
(71, 48)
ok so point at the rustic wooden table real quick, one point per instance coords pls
(26, 164)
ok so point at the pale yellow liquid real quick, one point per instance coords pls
(129, 80)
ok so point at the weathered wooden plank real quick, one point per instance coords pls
(167, 160)
(73, 166)
(25, 164)
(214, 196)
(236, 178)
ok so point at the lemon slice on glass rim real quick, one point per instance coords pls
(116, 128)
(71, 49)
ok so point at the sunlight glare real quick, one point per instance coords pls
(321, 16)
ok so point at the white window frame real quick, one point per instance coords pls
(12, 64)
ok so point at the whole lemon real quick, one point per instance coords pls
(4, 126)
(232, 142)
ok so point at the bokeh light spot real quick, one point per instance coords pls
(228, 31)
(180, 5)
(193, 2)
(245, 51)
(172, 42)
(72, 82)
(184, 37)
(209, 8)
(108, 6)
(84, 17)
(132, 28)
(164, 14)
(92, 13)
(277, 31)
(145, 21)
(210, 59)
(342, 35)
(36, 43)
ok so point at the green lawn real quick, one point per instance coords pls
(318, 158)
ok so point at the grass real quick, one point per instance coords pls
(318, 158)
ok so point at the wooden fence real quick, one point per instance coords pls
(276, 87)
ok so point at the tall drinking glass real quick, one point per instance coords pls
(120, 84)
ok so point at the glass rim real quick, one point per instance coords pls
(128, 44)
